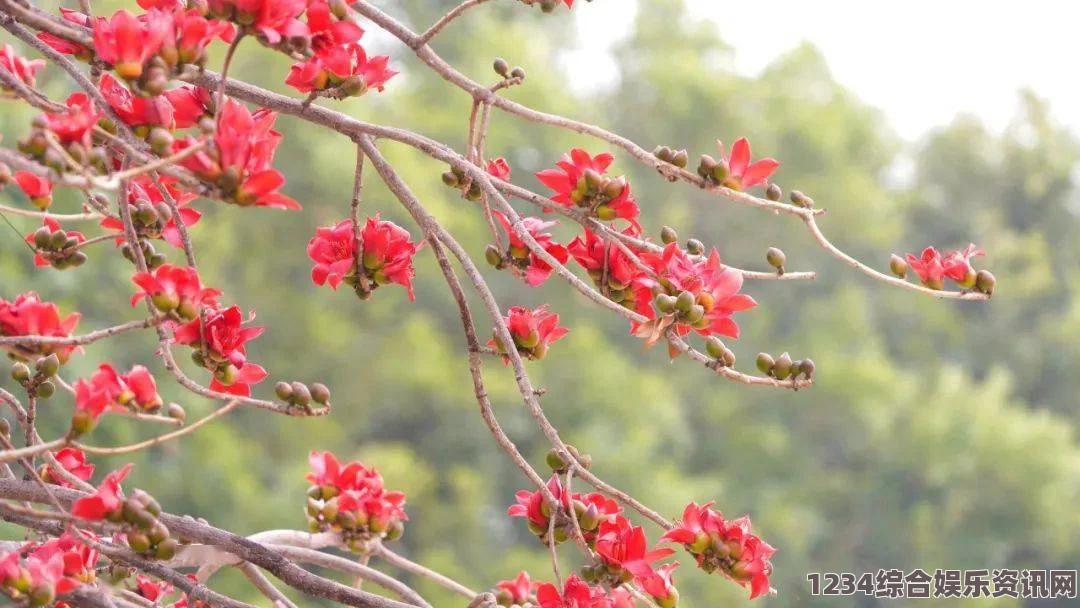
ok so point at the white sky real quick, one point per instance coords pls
(921, 61)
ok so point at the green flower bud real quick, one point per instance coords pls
(138, 541)
(970, 277)
(714, 347)
(684, 302)
(613, 188)
(450, 179)
(680, 159)
(158, 533)
(81, 423)
(706, 166)
(77, 259)
(20, 372)
(176, 412)
(668, 235)
(664, 153)
(320, 393)
(45, 389)
(898, 266)
(163, 211)
(493, 257)
(605, 213)
(807, 368)
(156, 260)
(801, 200)
(41, 238)
(773, 192)
(146, 214)
(57, 240)
(666, 303)
(165, 301)
(985, 282)
(166, 550)
(721, 171)
(782, 367)
(300, 394)
(555, 461)
(776, 258)
(501, 67)
(765, 363)
(729, 357)
(48, 366)
(395, 530)
(695, 247)
(696, 314)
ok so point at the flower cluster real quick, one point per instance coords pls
(136, 516)
(27, 315)
(338, 60)
(107, 389)
(22, 69)
(175, 290)
(38, 573)
(736, 171)
(591, 511)
(385, 250)
(518, 255)
(933, 268)
(579, 181)
(220, 338)
(726, 546)
(577, 593)
(56, 247)
(613, 272)
(533, 332)
(351, 499)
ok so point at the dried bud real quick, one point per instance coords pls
(320, 393)
(695, 247)
(680, 159)
(801, 200)
(5, 427)
(706, 166)
(985, 282)
(765, 363)
(668, 235)
(773, 192)
(501, 67)
(776, 258)
(898, 266)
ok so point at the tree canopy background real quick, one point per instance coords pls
(938, 434)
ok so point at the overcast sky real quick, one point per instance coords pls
(921, 61)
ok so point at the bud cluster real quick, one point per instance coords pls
(36, 573)
(679, 158)
(783, 367)
(28, 315)
(533, 331)
(352, 500)
(64, 142)
(456, 178)
(107, 389)
(145, 534)
(301, 395)
(56, 247)
(503, 69)
(39, 382)
(154, 259)
(590, 510)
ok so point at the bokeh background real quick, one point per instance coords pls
(938, 435)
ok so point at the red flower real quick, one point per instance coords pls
(357, 490)
(134, 110)
(106, 500)
(270, 19)
(499, 169)
(225, 339)
(536, 270)
(143, 189)
(347, 67)
(742, 174)
(929, 267)
(141, 388)
(533, 331)
(94, 396)
(725, 545)
(957, 265)
(190, 104)
(73, 460)
(388, 253)
(78, 560)
(532, 507)
(127, 42)
(333, 249)
(41, 576)
(63, 45)
(190, 34)
(624, 546)
(714, 287)
(660, 585)
(75, 124)
(151, 589)
(54, 227)
(19, 67)
(245, 143)
(176, 288)
(326, 31)
(38, 188)
(579, 180)
(626, 282)
(518, 591)
(29, 316)
(577, 593)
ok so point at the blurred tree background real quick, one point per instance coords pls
(938, 435)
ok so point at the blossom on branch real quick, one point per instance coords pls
(54, 246)
(63, 45)
(106, 501)
(499, 169)
(576, 593)
(127, 42)
(742, 174)
(27, 315)
(533, 332)
(73, 460)
(270, 20)
(613, 272)
(519, 590)
(175, 288)
(534, 270)
(24, 70)
(38, 189)
(76, 123)
(347, 69)
(224, 340)
(352, 499)
(151, 215)
(579, 181)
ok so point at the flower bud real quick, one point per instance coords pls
(666, 303)
(695, 247)
(320, 393)
(807, 368)
(165, 301)
(664, 153)
(157, 260)
(166, 550)
(300, 394)
(395, 530)
(493, 257)
(42, 594)
(801, 200)
(41, 238)
(45, 389)
(773, 192)
(163, 211)
(684, 302)
(714, 347)
(160, 141)
(776, 258)
(898, 266)
(696, 314)
(668, 235)
(501, 67)
(706, 166)
(450, 179)
(782, 367)
(555, 461)
(57, 239)
(680, 159)
(48, 366)
(765, 363)
(158, 533)
(176, 412)
(82, 422)
(138, 541)
(518, 72)
(721, 171)
(729, 357)
(5, 427)
(985, 282)
(283, 391)
(605, 212)
(20, 372)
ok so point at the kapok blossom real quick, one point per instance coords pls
(579, 181)
(743, 174)
(576, 593)
(128, 42)
(38, 189)
(625, 282)
(591, 509)
(72, 460)
(624, 550)
(152, 589)
(346, 67)
(75, 124)
(53, 228)
(240, 162)
(136, 111)
(23, 69)
(79, 559)
(534, 269)
(499, 169)
(106, 501)
(38, 578)
(714, 288)
(387, 254)
(270, 20)
(333, 249)
(190, 34)
(516, 591)
(353, 498)
(143, 189)
(723, 545)
(191, 104)
(108, 390)
(27, 315)
(533, 331)
(63, 45)
(957, 265)
(175, 288)
(225, 341)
